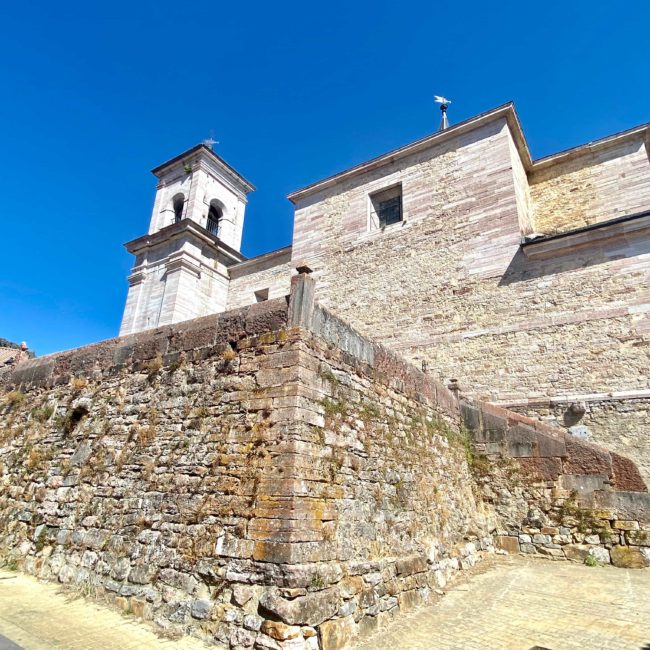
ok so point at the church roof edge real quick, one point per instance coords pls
(505, 110)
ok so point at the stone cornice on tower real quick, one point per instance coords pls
(203, 155)
(183, 228)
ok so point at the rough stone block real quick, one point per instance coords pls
(337, 633)
(522, 441)
(584, 484)
(583, 458)
(507, 543)
(311, 609)
(550, 446)
(540, 468)
(409, 600)
(410, 565)
(625, 475)
(629, 557)
(280, 631)
(471, 417)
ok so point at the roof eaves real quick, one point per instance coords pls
(599, 225)
(594, 145)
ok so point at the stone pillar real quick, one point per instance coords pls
(301, 300)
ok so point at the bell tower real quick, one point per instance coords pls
(181, 264)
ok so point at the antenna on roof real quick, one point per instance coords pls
(444, 104)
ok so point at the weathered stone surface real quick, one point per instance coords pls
(507, 543)
(583, 458)
(411, 565)
(312, 609)
(625, 475)
(336, 634)
(576, 552)
(280, 631)
(629, 557)
(241, 594)
(545, 469)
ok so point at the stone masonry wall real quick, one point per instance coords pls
(556, 495)
(591, 187)
(452, 287)
(252, 276)
(239, 479)
(269, 478)
(622, 425)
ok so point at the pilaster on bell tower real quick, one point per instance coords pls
(181, 266)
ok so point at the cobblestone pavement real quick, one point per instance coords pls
(39, 616)
(510, 603)
(520, 604)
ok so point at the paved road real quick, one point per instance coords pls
(520, 604)
(39, 616)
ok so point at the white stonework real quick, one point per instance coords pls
(181, 267)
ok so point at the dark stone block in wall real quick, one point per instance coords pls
(625, 475)
(36, 371)
(522, 441)
(541, 468)
(267, 316)
(86, 359)
(231, 326)
(494, 427)
(194, 334)
(151, 344)
(123, 352)
(583, 458)
(550, 446)
(471, 416)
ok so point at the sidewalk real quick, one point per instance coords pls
(40, 616)
(518, 604)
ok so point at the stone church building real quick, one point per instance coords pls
(525, 280)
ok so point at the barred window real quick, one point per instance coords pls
(386, 207)
(214, 218)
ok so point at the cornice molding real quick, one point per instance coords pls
(202, 152)
(184, 228)
(630, 227)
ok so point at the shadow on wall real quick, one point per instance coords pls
(521, 268)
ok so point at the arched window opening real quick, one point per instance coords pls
(178, 203)
(215, 213)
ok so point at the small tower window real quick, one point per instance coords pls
(386, 207)
(178, 203)
(215, 213)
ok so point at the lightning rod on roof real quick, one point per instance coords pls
(444, 104)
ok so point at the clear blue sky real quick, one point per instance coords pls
(96, 94)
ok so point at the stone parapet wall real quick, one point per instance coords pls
(556, 495)
(621, 424)
(270, 478)
(247, 482)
